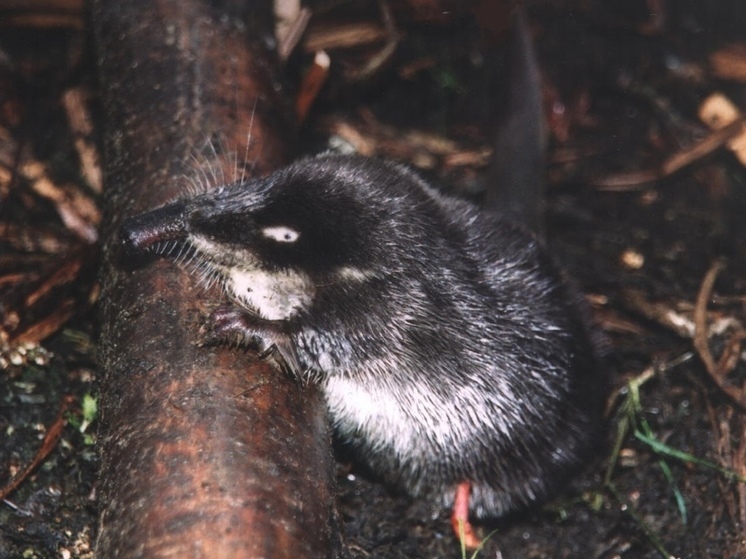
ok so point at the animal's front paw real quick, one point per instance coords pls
(231, 326)
(228, 325)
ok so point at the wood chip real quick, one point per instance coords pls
(313, 81)
(78, 212)
(75, 102)
(334, 36)
(729, 62)
(717, 112)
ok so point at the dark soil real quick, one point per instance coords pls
(624, 97)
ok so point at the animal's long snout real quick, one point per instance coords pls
(141, 232)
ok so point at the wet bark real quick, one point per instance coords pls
(206, 452)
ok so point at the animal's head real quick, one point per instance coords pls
(274, 242)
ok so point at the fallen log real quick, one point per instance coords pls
(206, 452)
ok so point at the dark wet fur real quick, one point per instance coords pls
(449, 317)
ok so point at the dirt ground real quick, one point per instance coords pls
(647, 220)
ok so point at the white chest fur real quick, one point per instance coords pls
(391, 419)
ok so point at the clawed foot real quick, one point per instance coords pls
(234, 327)
(227, 325)
(460, 517)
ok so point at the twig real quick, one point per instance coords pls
(77, 211)
(393, 38)
(328, 37)
(635, 180)
(289, 33)
(313, 81)
(713, 141)
(701, 343)
(50, 441)
(661, 313)
(648, 373)
(81, 124)
(739, 465)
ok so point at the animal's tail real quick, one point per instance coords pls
(515, 178)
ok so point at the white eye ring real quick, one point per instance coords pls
(281, 234)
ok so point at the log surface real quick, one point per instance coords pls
(206, 452)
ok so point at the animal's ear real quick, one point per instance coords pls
(281, 234)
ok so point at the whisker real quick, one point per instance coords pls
(218, 179)
(248, 144)
(234, 165)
